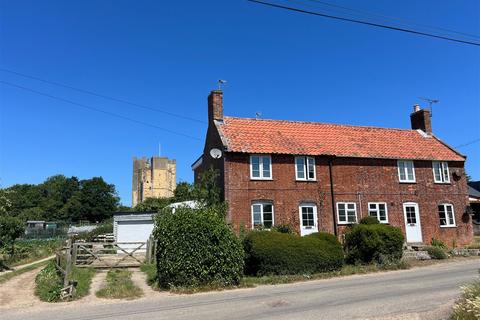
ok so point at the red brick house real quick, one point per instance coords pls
(324, 177)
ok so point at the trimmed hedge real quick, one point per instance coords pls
(366, 243)
(196, 247)
(269, 252)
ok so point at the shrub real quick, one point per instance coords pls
(269, 252)
(283, 228)
(366, 243)
(369, 220)
(436, 252)
(48, 283)
(438, 243)
(196, 247)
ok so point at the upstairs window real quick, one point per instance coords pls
(447, 217)
(262, 215)
(440, 172)
(347, 212)
(406, 171)
(261, 167)
(379, 211)
(305, 168)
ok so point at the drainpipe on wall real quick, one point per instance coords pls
(330, 165)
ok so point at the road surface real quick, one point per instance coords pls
(419, 293)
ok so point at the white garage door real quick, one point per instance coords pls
(134, 231)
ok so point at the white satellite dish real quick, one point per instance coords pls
(216, 153)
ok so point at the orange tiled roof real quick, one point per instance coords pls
(312, 138)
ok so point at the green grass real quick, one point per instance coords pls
(84, 277)
(48, 283)
(9, 275)
(150, 269)
(120, 286)
(26, 251)
(250, 282)
(468, 306)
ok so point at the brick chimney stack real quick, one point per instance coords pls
(215, 106)
(420, 119)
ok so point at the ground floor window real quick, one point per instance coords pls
(447, 217)
(379, 211)
(308, 213)
(262, 214)
(347, 212)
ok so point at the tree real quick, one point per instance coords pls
(207, 191)
(183, 192)
(153, 204)
(5, 203)
(10, 229)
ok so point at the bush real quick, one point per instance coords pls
(48, 283)
(196, 247)
(269, 252)
(438, 243)
(366, 243)
(283, 228)
(436, 252)
(369, 220)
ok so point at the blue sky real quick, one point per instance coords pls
(169, 54)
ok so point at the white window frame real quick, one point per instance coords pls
(377, 211)
(346, 212)
(306, 162)
(447, 218)
(262, 203)
(444, 172)
(315, 216)
(260, 165)
(405, 171)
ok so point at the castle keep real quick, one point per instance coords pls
(153, 178)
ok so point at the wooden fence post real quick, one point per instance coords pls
(68, 265)
(74, 253)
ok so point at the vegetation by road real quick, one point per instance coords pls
(9, 275)
(119, 286)
(468, 306)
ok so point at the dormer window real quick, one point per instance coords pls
(440, 172)
(406, 171)
(260, 167)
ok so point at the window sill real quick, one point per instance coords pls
(453, 226)
(346, 223)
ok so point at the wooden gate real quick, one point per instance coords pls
(108, 254)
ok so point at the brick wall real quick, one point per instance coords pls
(355, 180)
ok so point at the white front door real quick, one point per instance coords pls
(308, 219)
(413, 228)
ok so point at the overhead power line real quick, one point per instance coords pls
(468, 143)
(102, 96)
(372, 24)
(84, 106)
(384, 17)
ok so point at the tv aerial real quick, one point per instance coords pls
(220, 83)
(430, 103)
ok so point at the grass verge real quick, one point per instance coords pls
(49, 282)
(120, 286)
(26, 251)
(250, 282)
(9, 275)
(468, 306)
(150, 269)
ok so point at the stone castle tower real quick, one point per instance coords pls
(153, 178)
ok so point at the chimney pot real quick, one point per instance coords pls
(420, 119)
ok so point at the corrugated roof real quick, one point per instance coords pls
(313, 138)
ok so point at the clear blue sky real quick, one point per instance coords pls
(169, 55)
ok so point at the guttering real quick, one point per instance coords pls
(330, 165)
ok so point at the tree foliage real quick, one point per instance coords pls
(10, 229)
(60, 198)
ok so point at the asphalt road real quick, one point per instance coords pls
(420, 293)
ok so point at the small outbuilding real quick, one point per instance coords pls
(132, 226)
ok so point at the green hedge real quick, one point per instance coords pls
(269, 252)
(366, 243)
(196, 247)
